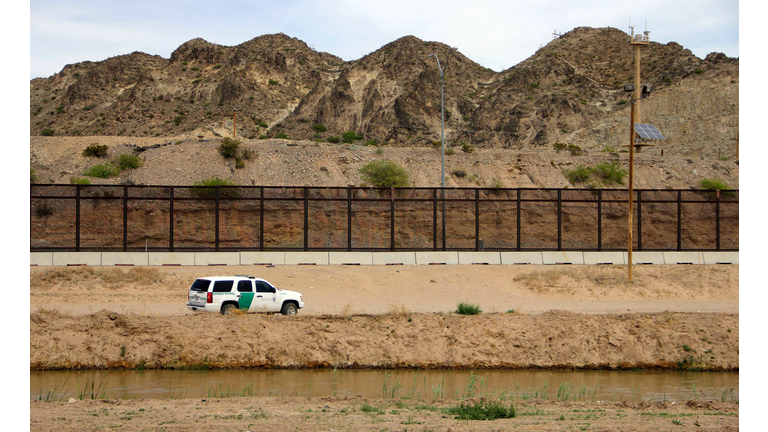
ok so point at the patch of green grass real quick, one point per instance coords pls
(713, 184)
(385, 173)
(79, 181)
(483, 410)
(350, 137)
(579, 174)
(366, 408)
(103, 171)
(468, 309)
(281, 136)
(611, 172)
(320, 128)
(128, 161)
(206, 188)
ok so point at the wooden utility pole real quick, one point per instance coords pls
(234, 123)
(636, 41)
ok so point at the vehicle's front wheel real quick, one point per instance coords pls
(289, 309)
(227, 309)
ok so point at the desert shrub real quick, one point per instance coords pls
(468, 309)
(103, 171)
(47, 132)
(580, 174)
(247, 154)
(350, 137)
(558, 146)
(483, 410)
(575, 150)
(450, 151)
(128, 161)
(713, 184)
(228, 147)
(459, 173)
(262, 123)
(467, 148)
(281, 136)
(611, 172)
(385, 173)
(320, 128)
(206, 188)
(371, 143)
(333, 139)
(79, 181)
(273, 82)
(32, 175)
(95, 150)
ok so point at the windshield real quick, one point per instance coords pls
(200, 285)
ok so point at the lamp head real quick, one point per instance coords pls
(629, 87)
(647, 89)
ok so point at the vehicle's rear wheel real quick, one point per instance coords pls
(227, 309)
(289, 309)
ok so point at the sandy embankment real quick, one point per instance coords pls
(394, 317)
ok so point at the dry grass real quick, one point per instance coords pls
(398, 309)
(106, 276)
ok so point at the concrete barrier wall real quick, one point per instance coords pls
(374, 258)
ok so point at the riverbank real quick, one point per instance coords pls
(284, 413)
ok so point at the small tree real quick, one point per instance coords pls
(385, 173)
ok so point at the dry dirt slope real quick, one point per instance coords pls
(185, 160)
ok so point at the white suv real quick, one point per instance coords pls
(225, 294)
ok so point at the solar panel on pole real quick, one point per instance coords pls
(648, 131)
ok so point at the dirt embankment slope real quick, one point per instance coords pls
(384, 316)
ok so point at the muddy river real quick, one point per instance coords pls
(411, 384)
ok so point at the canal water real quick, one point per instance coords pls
(396, 384)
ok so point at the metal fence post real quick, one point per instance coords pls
(434, 218)
(559, 220)
(518, 219)
(306, 219)
(717, 220)
(349, 218)
(216, 229)
(261, 218)
(77, 218)
(392, 219)
(679, 220)
(599, 219)
(170, 221)
(639, 220)
(477, 219)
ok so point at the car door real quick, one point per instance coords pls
(245, 294)
(266, 296)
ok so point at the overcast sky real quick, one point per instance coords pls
(496, 34)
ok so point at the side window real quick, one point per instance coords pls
(245, 286)
(264, 287)
(223, 286)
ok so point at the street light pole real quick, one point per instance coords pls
(442, 135)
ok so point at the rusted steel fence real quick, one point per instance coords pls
(261, 218)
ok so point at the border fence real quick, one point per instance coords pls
(272, 218)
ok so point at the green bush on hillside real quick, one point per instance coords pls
(385, 173)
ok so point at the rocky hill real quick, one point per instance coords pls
(568, 92)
